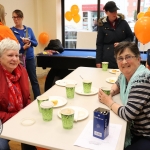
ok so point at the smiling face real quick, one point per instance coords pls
(128, 63)
(9, 59)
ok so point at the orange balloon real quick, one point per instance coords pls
(76, 18)
(68, 15)
(139, 15)
(141, 29)
(74, 9)
(147, 14)
(43, 38)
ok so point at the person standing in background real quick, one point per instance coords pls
(27, 41)
(5, 31)
(112, 29)
(95, 25)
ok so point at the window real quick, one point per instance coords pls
(88, 20)
(142, 4)
(88, 11)
(134, 3)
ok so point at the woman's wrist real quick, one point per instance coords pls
(111, 105)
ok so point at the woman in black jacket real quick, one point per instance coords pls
(112, 29)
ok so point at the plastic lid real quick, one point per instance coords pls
(67, 111)
(104, 62)
(106, 88)
(27, 121)
(47, 104)
(70, 85)
(42, 98)
(87, 81)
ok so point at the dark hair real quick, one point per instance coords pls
(19, 13)
(110, 6)
(122, 46)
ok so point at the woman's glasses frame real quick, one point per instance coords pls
(127, 58)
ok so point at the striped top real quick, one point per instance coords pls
(137, 108)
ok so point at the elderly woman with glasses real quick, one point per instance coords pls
(14, 91)
(4, 30)
(133, 84)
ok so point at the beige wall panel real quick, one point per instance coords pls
(40, 15)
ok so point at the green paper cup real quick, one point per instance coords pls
(106, 90)
(104, 66)
(47, 110)
(70, 88)
(67, 117)
(41, 99)
(87, 84)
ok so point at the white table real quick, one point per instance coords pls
(51, 134)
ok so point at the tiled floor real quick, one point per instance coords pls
(15, 145)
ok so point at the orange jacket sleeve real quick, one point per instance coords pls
(6, 32)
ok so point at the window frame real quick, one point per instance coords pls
(98, 16)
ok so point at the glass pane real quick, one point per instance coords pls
(145, 4)
(87, 22)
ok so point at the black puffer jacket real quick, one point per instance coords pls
(107, 36)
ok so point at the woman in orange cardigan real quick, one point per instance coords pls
(5, 31)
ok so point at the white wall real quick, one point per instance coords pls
(40, 15)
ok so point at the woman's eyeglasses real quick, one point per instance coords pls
(16, 17)
(127, 58)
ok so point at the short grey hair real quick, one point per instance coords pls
(8, 44)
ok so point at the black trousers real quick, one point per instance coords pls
(27, 147)
(54, 75)
(139, 143)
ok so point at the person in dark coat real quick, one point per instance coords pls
(112, 29)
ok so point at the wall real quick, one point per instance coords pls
(40, 15)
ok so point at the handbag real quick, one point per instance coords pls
(22, 56)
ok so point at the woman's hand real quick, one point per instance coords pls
(26, 40)
(51, 52)
(105, 99)
(99, 65)
(26, 46)
(115, 44)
